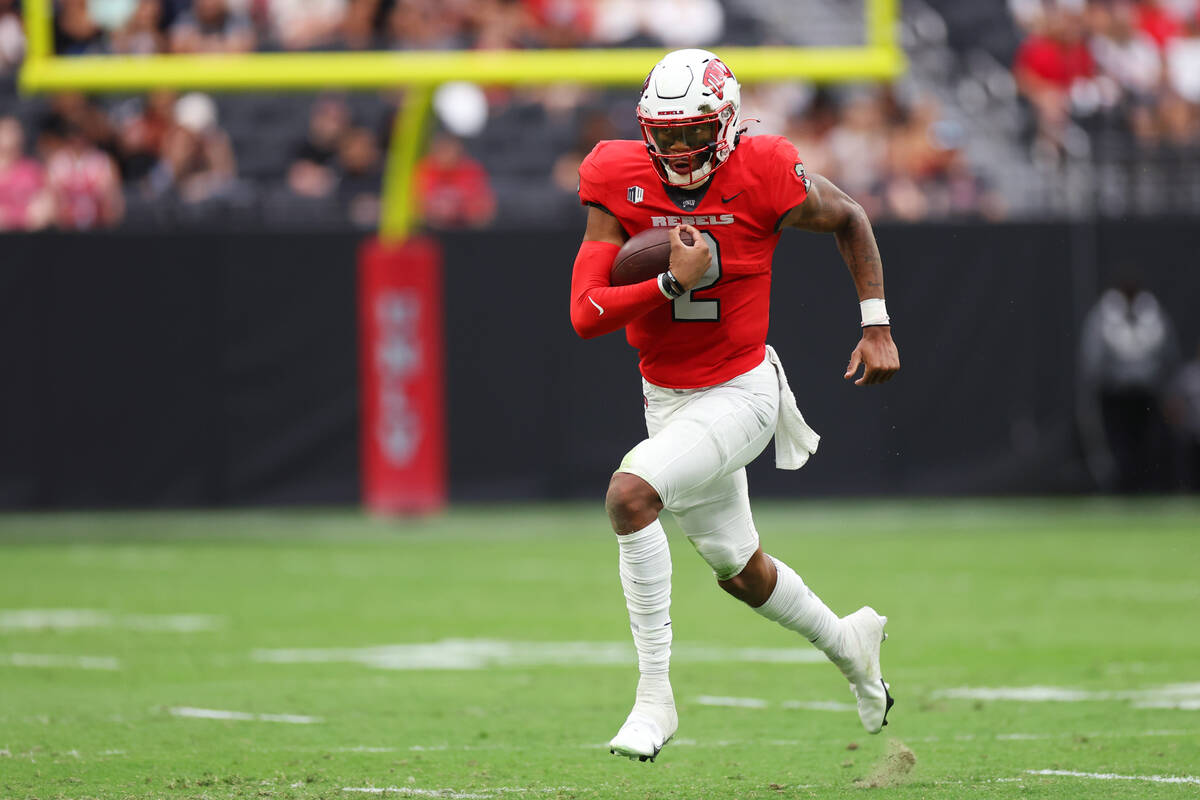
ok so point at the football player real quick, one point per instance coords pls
(715, 393)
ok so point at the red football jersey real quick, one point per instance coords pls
(718, 330)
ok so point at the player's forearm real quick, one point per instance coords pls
(604, 309)
(598, 308)
(856, 243)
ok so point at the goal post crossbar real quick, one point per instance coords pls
(391, 70)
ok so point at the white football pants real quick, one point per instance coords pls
(700, 443)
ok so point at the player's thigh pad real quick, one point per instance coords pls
(700, 436)
(719, 525)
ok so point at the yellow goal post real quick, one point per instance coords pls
(420, 72)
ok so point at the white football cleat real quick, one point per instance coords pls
(645, 732)
(862, 633)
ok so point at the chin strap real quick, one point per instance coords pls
(737, 137)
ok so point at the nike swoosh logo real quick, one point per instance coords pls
(728, 199)
(597, 305)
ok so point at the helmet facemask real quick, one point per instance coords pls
(685, 151)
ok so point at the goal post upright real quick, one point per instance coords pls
(39, 33)
(398, 212)
(881, 17)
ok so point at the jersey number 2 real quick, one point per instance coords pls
(688, 308)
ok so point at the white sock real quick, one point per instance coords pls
(645, 565)
(794, 606)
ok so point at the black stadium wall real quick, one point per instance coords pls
(190, 370)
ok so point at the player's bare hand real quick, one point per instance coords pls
(876, 354)
(689, 262)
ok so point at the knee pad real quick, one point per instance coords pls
(726, 555)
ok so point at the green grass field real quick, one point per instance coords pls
(215, 655)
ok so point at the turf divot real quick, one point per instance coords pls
(892, 770)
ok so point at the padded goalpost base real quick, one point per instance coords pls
(403, 425)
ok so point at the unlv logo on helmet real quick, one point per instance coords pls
(714, 77)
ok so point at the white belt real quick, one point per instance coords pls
(794, 440)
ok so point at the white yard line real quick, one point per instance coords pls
(1022, 737)
(697, 653)
(754, 702)
(1108, 776)
(364, 749)
(470, 654)
(244, 716)
(35, 619)
(293, 719)
(49, 661)
(1181, 696)
(819, 705)
(731, 702)
(170, 623)
(1192, 704)
(1025, 694)
(978, 782)
(52, 618)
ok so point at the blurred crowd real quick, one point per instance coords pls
(1132, 62)
(83, 164)
(901, 158)
(193, 26)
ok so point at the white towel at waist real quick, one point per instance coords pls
(794, 440)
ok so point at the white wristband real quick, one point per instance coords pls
(874, 312)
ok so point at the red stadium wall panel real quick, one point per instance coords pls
(403, 434)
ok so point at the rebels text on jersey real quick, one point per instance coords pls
(719, 329)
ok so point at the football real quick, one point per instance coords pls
(644, 256)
